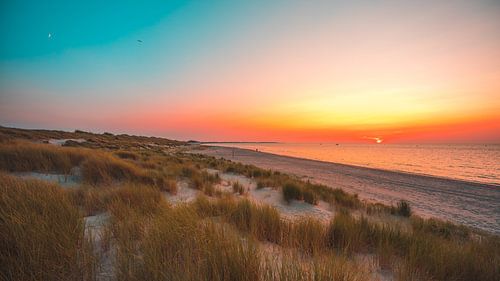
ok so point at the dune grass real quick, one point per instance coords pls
(41, 233)
(181, 247)
(307, 234)
(27, 157)
(401, 209)
(147, 233)
(90, 199)
(292, 266)
(238, 188)
(217, 238)
(96, 167)
(106, 140)
(440, 228)
(291, 192)
(263, 222)
(187, 242)
(166, 243)
(423, 254)
(310, 197)
(127, 155)
(291, 186)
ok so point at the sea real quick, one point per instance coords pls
(478, 163)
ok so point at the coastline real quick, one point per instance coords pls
(470, 203)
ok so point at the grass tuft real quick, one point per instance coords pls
(42, 233)
(291, 192)
(310, 197)
(402, 209)
(238, 188)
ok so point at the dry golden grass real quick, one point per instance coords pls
(209, 239)
(127, 155)
(238, 188)
(27, 157)
(106, 140)
(143, 199)
(97, 167)
(307, 234)
(178, 243)
(424, 254)
(181, 247)
(92, 200)
(41, 233)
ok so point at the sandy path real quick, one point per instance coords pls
(472, 204)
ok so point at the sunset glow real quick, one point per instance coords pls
(384, 72)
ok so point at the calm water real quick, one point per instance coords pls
(478, 163)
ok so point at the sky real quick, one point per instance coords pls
(292, 71)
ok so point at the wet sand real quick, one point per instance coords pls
(472, 204)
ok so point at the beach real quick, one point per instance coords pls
(137, 207)
(469, 203)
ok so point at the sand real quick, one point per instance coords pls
(60, 142)
(273, 197)
(468, 203)
(184, 194)
(266, 195)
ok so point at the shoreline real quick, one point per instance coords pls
(463, 181)
(460, 181)
(430, 196)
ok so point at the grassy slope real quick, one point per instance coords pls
(213, 238)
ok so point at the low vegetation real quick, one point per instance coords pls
(238, 188)
(21, 156)
(41, 233)
(218, 236)
(402, 209)
(291, 192)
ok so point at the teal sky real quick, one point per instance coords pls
(93, 63)
(94, 43)
(253, 70)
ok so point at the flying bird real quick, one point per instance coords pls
(140, 41)
(49, 36)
